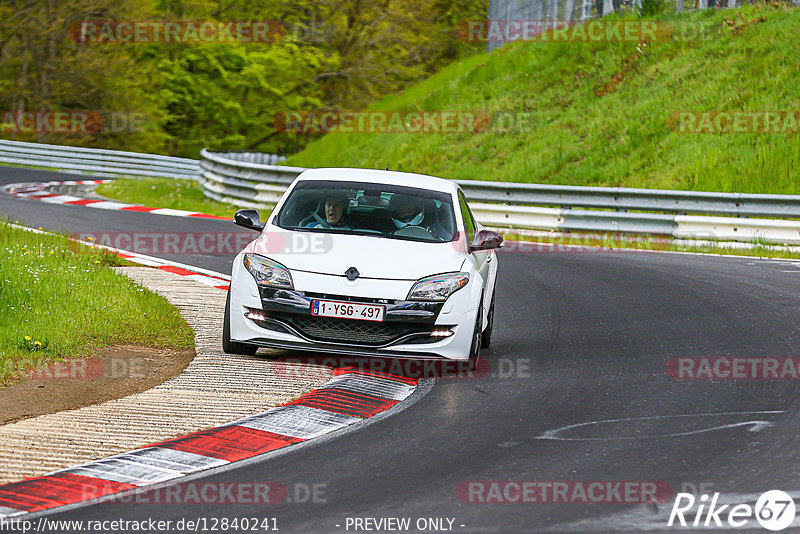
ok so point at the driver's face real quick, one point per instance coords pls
(333, 210)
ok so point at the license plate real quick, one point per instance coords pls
(347, 310)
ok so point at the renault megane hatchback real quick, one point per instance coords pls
(365, 262)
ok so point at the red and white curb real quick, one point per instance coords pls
(209, 278)
(352, 396)
(41, 191)
(198, 274)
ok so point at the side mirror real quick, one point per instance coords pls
(486, 240)
(249, 219)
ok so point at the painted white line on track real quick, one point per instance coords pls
(298, 421)
(60, 199)
(382, 388)
(106, 204)
(172, 212)
(122, 470)
(182, 461)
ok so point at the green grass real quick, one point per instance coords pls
(174, 193)
(38, 167)
(599, 112)
(59, 300)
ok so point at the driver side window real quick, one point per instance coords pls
(469, 222)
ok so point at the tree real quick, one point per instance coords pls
(43, 68)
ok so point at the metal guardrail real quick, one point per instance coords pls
(253, 180)
(97, 161)
(243, 183)
(628, 199)
(553, 207)
(253, 157)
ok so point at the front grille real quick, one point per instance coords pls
(353, 331)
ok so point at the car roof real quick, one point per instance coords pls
(342, 174)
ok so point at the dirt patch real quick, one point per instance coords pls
(115, 373)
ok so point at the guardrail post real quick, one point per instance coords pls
(587, 9)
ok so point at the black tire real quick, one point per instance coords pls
(475, 348)
(486, 336)
(233, 347)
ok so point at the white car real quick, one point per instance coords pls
(367, 263)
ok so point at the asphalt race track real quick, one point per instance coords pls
(580, 337)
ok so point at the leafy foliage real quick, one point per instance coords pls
(335, 54)
(42, 68)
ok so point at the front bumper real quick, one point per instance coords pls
(283, 320)
(405, 322)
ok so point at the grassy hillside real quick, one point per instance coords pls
(600, 112)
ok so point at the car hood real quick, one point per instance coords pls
(374, 257)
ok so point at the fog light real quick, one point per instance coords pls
(442, 332)
(256, 315)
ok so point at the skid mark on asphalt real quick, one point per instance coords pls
(752, 425)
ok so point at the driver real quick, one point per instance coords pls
(406, 210)
(335, 206)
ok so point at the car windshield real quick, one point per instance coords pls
(390, 211)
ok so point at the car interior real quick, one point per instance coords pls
(368, 212)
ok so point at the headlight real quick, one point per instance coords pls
(438, 287)
(268, 272)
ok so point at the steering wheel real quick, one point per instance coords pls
(313, 215)
(414, 231)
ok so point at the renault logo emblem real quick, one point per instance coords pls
(351, 273)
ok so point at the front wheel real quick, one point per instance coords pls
(475, 348)
(233, 347)
(486, 336)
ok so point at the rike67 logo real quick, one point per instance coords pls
(774, 510)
